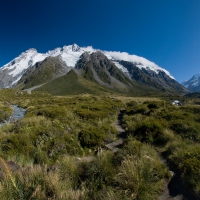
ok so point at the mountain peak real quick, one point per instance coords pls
(75, 47)
(31, 50)
(196, 76)
(193, 84)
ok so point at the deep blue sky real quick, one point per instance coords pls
(166, 32)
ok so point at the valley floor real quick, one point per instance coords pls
(98, 147)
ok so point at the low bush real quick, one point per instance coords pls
(185, 156)
(186, 129)
(140, 109)
(151, 131)
(131, 147)
(131, 104)
(5, 112)
(154, 104)
(191, 172)
(92, 137)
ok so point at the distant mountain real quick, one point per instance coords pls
(113, 70)
(193, 84)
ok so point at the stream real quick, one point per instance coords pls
(18, 113)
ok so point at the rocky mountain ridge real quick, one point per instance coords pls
(125, 67)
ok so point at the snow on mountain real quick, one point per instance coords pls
(139, 61)
(70, 55)
(23, 61)
(121, 67)
(193, 83)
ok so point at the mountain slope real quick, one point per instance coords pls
(71, 84)
(13, 71)
(95, 73)
(138, 75)
(193, 84)
(158, 79)
(42, 72)
(98, 68)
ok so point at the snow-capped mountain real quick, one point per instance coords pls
(70, 55)
(12, 72)
(193, 84)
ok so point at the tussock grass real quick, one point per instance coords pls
(172, 129)
(56, 131)
(7, 172)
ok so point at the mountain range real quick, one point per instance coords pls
(73, 69)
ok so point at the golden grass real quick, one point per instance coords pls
(7, 172)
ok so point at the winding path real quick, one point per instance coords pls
(173, 190)
(29, 90)
(121, 133)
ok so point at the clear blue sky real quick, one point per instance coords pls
(166, 32)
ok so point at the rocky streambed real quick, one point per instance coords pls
(18, 113)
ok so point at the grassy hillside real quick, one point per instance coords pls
(42, 72)
(71, 84)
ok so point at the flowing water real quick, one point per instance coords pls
(18, 113)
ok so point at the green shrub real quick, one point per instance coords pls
(17, 144)
(191, 171)
(131, 148)
(5, 112)
(154, 104)
(186, 129)
(184, 155)
(88, 114)
(98, 175)
(52, 112)
(150, 131)
(140, 109)
(91, 137)
(130, 106)
(172, 115)
(179, 126)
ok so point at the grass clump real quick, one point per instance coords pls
(5, 112)
(141, 173)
